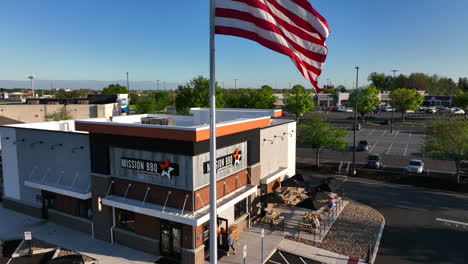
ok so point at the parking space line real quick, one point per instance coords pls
(389, 148)
(272, 261)
(371, 132)
(404, 154)
(373, 146)
(451, 221)
(385, 131)
(283, 257)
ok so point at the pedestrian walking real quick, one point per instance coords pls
(230, 241)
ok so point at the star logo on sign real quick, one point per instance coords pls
(237, 157)
(166, 169)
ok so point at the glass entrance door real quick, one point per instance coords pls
(171, 239)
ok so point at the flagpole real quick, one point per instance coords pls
(213, 209)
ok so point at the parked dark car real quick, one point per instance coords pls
(374, 161)
(363, 146)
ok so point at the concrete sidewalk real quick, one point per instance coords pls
(252, 238)
(13, 224)
(274, 240)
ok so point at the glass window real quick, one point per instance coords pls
(171, 239)
(125, 219)
(85, 209)
(240, 209)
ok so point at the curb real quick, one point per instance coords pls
(377, 242)
(389, 183)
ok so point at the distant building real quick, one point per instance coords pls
(435, 100)
(37, 109)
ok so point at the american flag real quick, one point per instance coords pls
(291, 27)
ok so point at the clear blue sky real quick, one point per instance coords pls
(168, 40)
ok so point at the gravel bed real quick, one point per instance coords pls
(66, 252)
(354, 231)
(36, 244)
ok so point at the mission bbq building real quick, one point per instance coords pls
(136, 181)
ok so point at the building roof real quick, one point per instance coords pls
(185, 128)
(8, 121)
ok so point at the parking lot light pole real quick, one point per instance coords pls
(355, 121)
(393, 109)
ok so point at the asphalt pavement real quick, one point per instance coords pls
(422, 225)
(392, 162)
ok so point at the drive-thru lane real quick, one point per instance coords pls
(414, 232)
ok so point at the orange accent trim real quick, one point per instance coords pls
(234, 128)
(167, 133)
(278, 113)
(149, 132)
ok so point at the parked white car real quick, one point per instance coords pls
(341, 109)
(457, 111)
(387, 108)
(415, 166)
(431, 110)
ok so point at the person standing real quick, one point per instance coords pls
(230, 241)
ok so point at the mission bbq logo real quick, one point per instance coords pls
(157, 168)
(224, 162)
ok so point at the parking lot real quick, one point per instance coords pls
(401, 142)
(281, 257)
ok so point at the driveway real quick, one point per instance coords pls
(422, 225)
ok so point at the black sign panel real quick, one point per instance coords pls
(224, 162)
(159, 168)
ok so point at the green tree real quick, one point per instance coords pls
(262, 98)
(146, 105)
(115, 89)
(366, 98)
(341, 89)
(448, 138)
(196, 93)
(163, 99)
(461, 100)
(237, 98)
(133, 98)
(319, 135)
(183, 99)
(298, 101)
(405, 99)
(380, 81)
(463, 84)
(418, 81)
(60, 114)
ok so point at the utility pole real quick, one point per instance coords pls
(235, 83)
(393, 109)
(32, 77)
(355, 120)
(128, 84)
(164, 85)
(157, 81)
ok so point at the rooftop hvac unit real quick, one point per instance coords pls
(158, 121)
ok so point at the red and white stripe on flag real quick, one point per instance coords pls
(291, 27)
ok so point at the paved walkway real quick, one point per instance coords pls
(13, 224)
(252, 238)
(275, 240)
